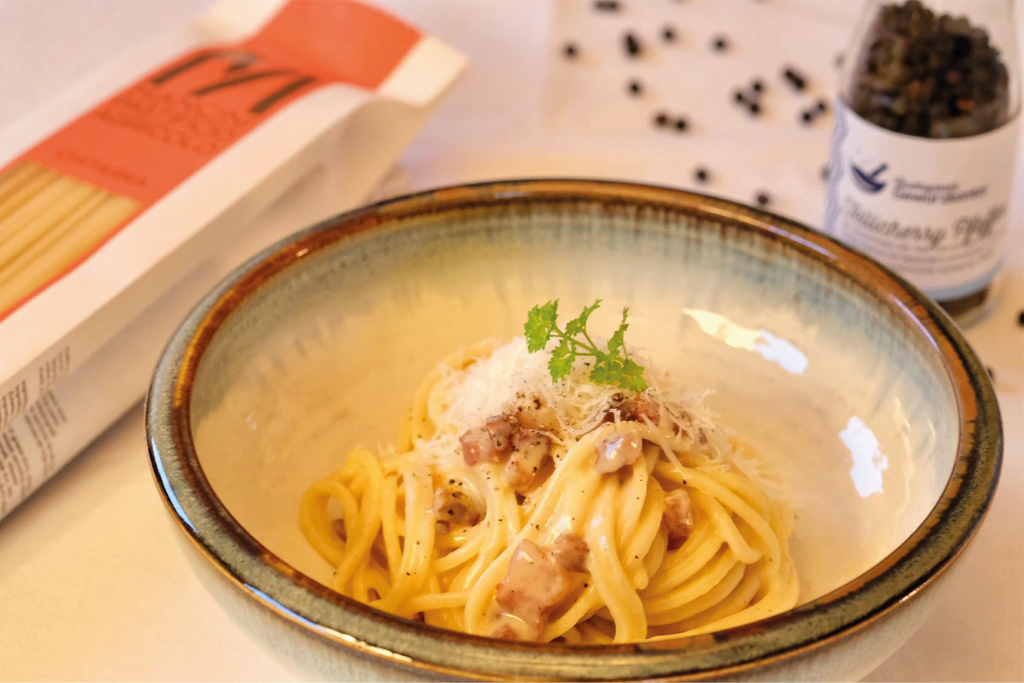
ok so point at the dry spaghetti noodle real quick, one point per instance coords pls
(48, 222)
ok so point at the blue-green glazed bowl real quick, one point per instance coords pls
(861, 389)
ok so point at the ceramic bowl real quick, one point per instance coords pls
(863, 391)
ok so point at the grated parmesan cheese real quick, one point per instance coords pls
(512, 376)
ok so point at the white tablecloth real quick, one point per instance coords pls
(92, 582)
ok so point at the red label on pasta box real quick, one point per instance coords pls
(125, 154)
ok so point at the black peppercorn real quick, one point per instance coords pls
(661, 119)
(757, 85)
(739, 97)
(822, 106)
(635, 88)
(720, 43)
(795, 79)
(569, 51)
(668, 34)
(755, 108)
(632, 45)
(930, 75)
(1020, 318)
(763, 198)
(681, 124)
(807, 117)
(701, 175)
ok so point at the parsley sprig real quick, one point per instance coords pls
(613, 366)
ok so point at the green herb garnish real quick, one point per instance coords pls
(609, 367)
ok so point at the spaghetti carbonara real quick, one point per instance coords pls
(521, 508)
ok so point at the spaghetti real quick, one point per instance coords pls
(594, 517)
(48, 223)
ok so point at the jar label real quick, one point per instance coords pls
(933, 210)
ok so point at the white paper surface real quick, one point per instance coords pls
(92, 562)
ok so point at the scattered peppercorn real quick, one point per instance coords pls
(661, 119)
(757, 85)
(822, 106)
(635, 88)
(569, 50)
(763, 198)
(668, 34)
(739, 97)
(807, 116)
(681, 124)
(606, 5)
(632, 45)
(795, 79)
(701, 175)
(1020, 318)
(755, 108)
(720, 43)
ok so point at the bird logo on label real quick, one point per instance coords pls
(868, 182)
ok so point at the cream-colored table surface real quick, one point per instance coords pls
(92, 583)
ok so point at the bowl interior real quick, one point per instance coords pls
(842, 395)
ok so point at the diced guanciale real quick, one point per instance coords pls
(531, 449)
(451, 508)
(538, 416)
(618, 451)
(476, 446)
(524, 436)
(537, 580)
(501, 428)
(678, 517)
(490, 443)
(571, 552)
(633, 409)
(646, 407)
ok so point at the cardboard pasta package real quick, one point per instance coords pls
(131, 195)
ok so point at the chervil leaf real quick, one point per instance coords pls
(604, 371)
(617, 342)
(562, 358)
(540, 323)
(612, 367)
(632, 376)
(578, 326)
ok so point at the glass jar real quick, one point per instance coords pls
(925, 142)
